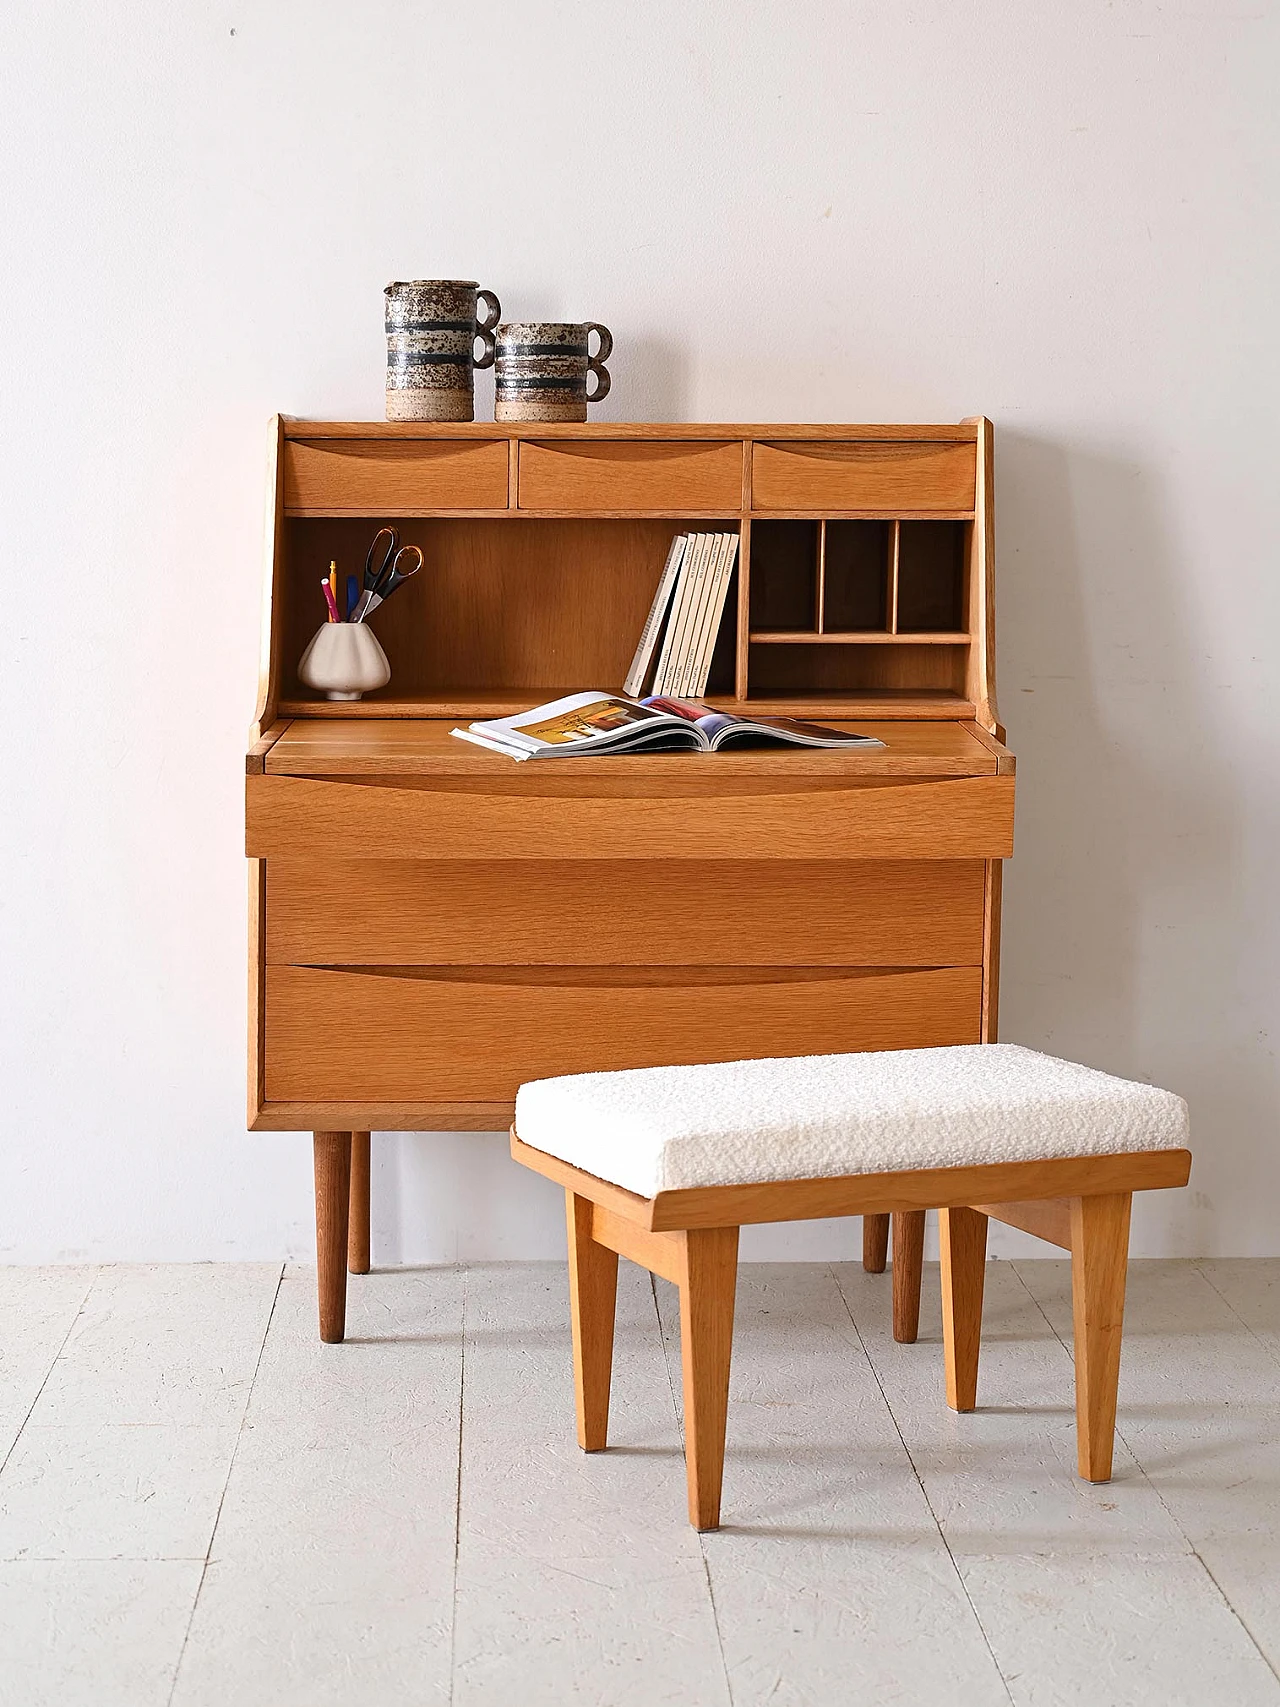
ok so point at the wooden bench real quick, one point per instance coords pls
(663, 1165)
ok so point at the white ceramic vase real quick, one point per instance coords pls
(343, 661)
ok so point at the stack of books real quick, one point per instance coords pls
(685, 616)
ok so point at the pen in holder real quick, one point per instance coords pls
(343, 661)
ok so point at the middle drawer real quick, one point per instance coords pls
(625, 474)
(400, 912)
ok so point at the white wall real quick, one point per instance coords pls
(1060, 215)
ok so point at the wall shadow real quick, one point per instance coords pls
(650, 378)
(1127, 919)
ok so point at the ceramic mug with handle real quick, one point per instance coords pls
(542, 368)
(432, 328)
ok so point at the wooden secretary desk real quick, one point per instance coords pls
(431, 923)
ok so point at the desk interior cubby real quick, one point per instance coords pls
(506, 611)
(857, 606)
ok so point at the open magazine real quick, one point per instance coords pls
(602, 723)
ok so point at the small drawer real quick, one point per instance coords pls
(396, 477)
(473, 1035)
(955, 818)
(610, 474)
(614, 913)
(896, 478)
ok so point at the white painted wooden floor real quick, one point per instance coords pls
(200, 1504)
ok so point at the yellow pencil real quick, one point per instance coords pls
(333, 584)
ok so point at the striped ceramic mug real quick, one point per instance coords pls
(542, 367)
(432, 327)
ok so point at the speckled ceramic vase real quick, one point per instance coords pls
(432, 328)
(542, 368)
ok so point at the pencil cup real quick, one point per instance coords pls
(343, 661)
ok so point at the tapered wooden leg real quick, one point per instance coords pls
(908, 1267)
(1099, 1262)
(710, 1277)
(875, 1243)
(358, 1225)
(962, 1239)
(333, 1195)
(593, 1297)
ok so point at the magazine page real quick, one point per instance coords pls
(581, 722)
(791, 731)
(719, 728)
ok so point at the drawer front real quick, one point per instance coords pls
(953, 818)
(334, 1035)
(395, 477)
(630, 475)
(895, 478)
(637, 913)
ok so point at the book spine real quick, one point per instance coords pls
(697, 590)
(665, 656)
(697, 615)
(668, 677)
(715, 613)
(634, 683)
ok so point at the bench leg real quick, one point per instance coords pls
(962, 1240)
(708, 1280)
(333, 1192)
(908, 1266)
(875, 1243)
(593, 1299)
(358, 1223)
(1099, 1261)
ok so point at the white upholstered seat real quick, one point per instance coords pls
(810, 1117)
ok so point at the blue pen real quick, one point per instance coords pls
(353, 593)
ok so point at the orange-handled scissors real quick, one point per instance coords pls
(398, 563)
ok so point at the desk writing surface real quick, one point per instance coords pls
(407, 746)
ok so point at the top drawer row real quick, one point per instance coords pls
(680, 476)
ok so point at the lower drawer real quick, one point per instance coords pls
(435, 1034)
(405, 912)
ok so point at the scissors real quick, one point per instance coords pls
(398, 563)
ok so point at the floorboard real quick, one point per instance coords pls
(579, 1579)
(202, 1504)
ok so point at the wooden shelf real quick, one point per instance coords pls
(889, 703)
(962, 432)
(886, 703)
(451, 702)
(726, 513)
(805, 637)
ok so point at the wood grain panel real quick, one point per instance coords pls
(869, 1194)
(371, 477)
(347, 1035)
(405, 1116)
(895, 478)
(962, 818)
(1048, 1219)
(636, 913)
(630, 475)
(297, 428)
(349, 746)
